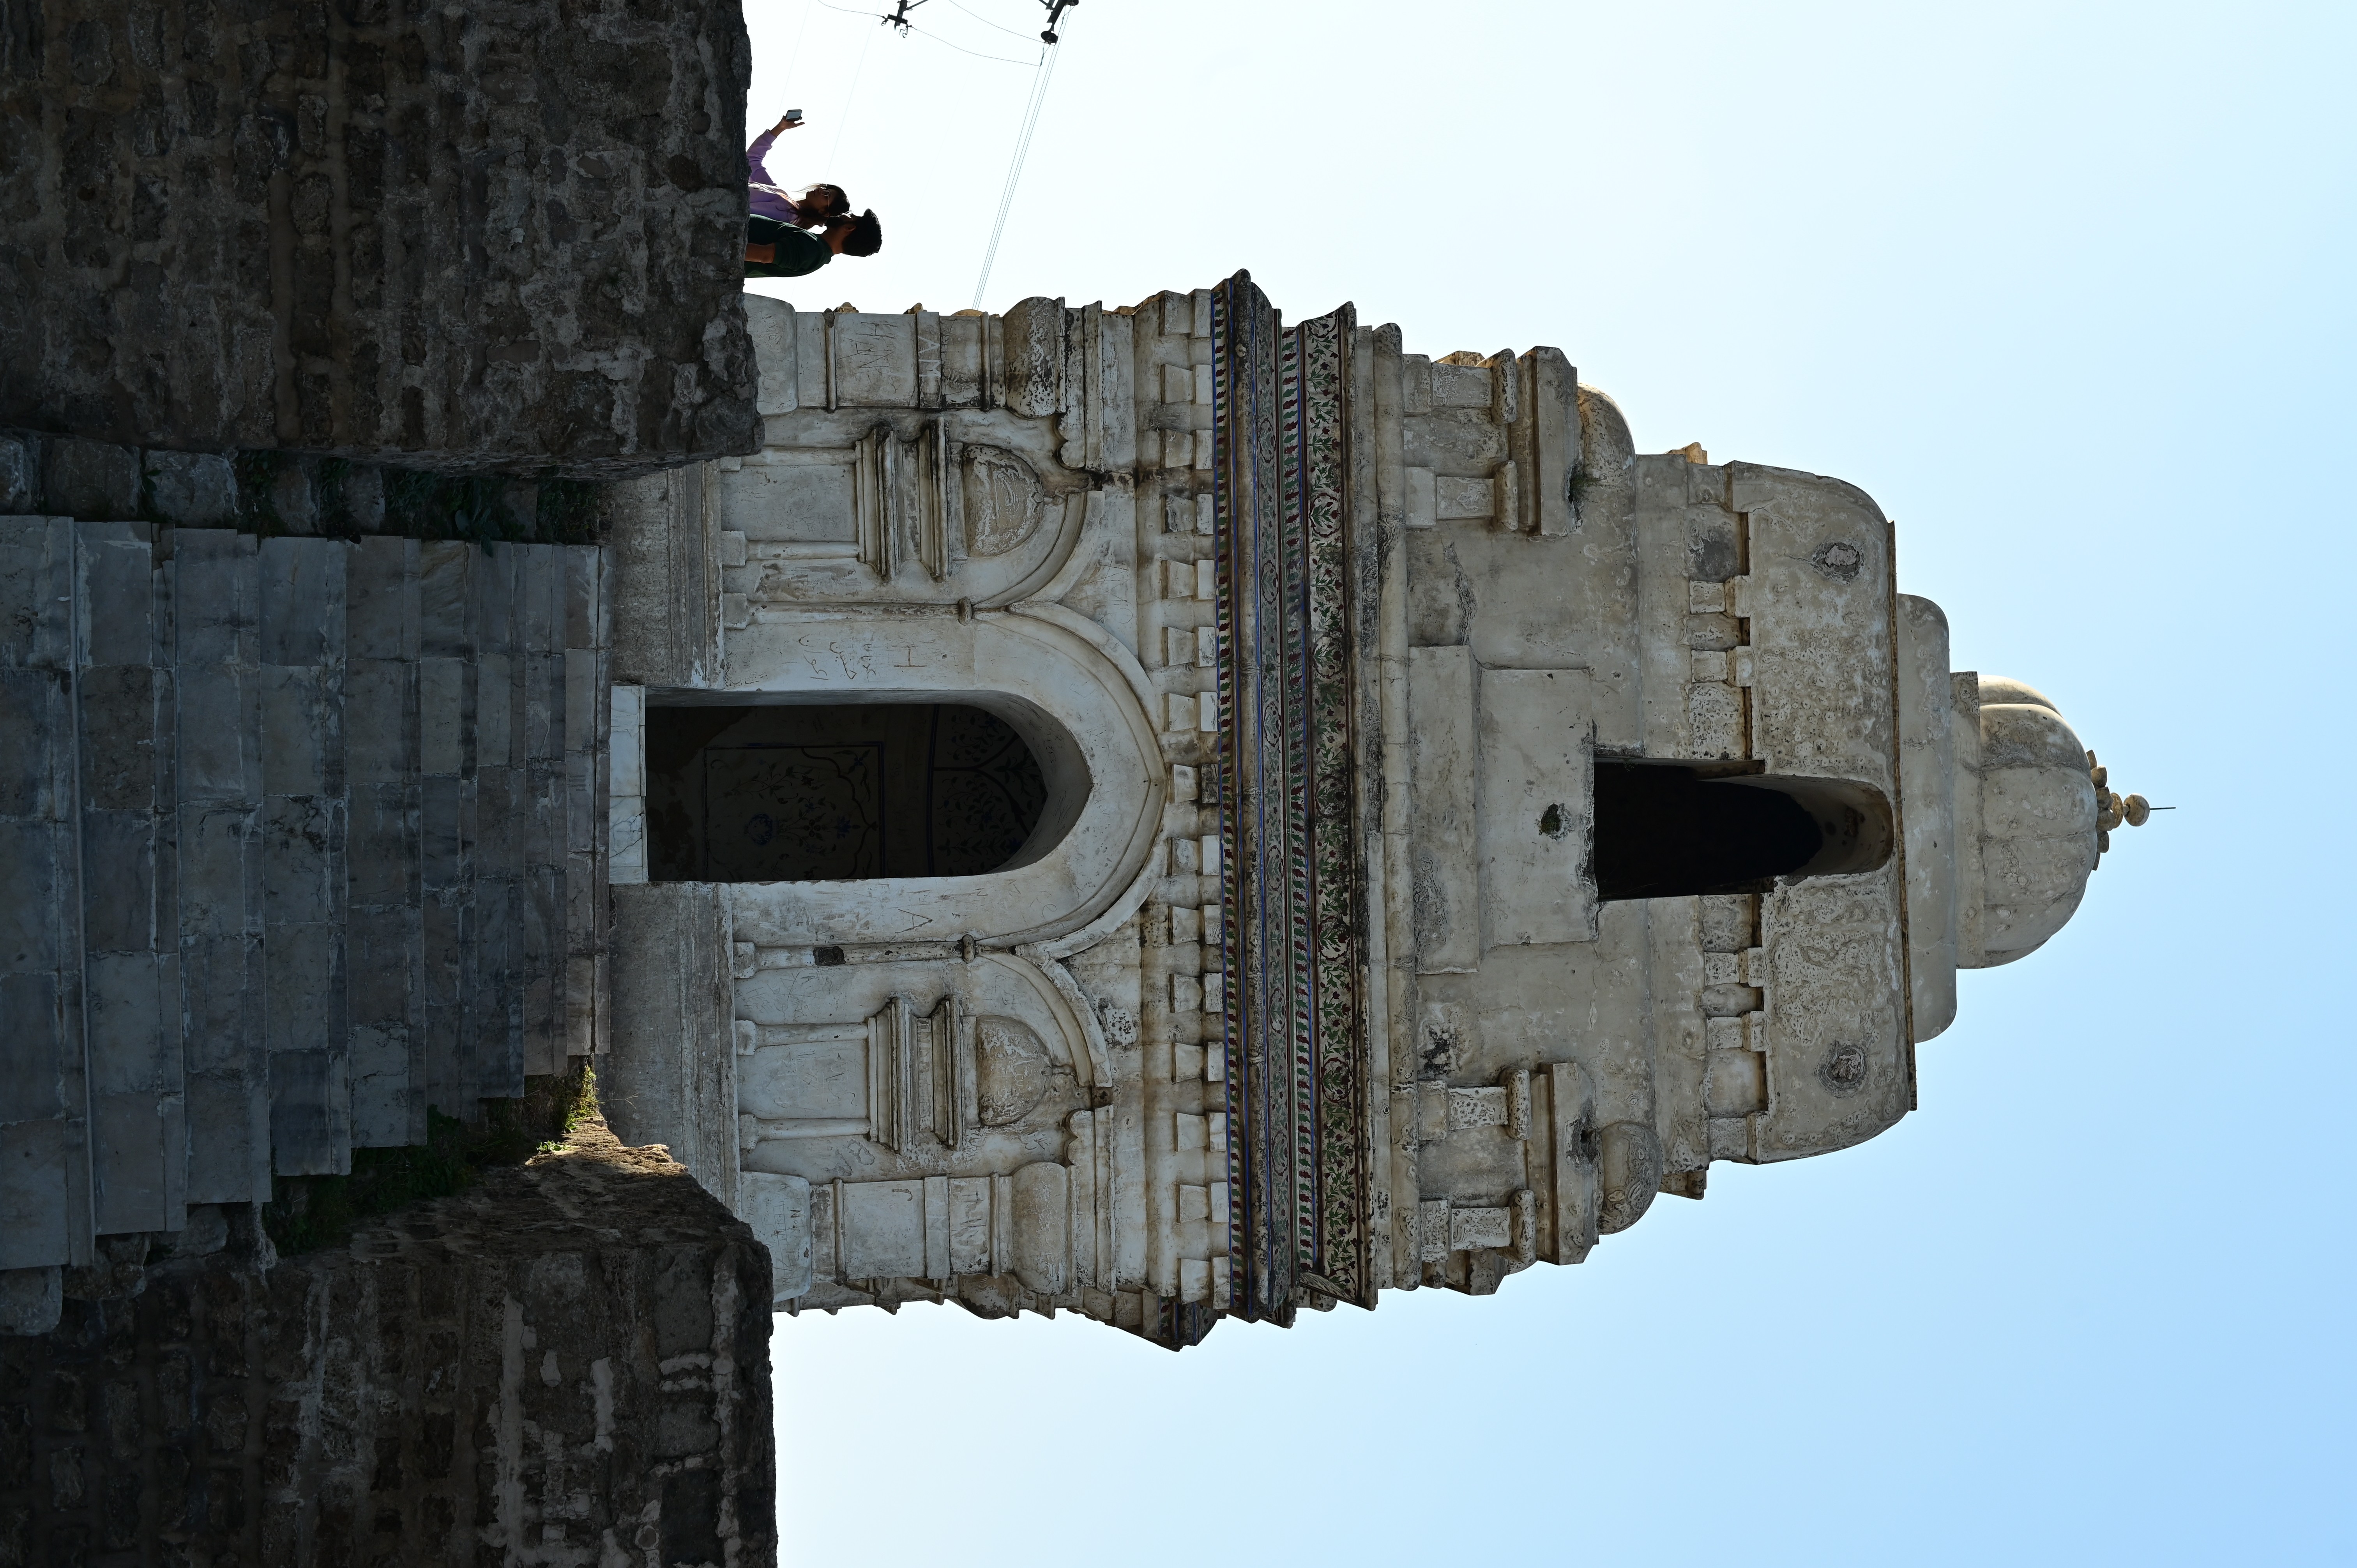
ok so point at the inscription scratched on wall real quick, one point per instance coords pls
(835, 659)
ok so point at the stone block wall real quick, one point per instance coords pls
(503, 237)
(567, 1363)
(271, 492)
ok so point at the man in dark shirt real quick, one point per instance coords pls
(775, 250)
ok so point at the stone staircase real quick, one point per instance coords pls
(298, 839)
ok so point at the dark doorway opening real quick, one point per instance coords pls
(835, 792)
(1665, 831)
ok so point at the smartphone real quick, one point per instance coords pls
(793, 116)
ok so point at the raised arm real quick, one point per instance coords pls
(756, 155)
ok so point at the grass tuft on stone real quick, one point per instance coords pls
(305, 1214)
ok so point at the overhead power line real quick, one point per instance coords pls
(988, 23)
(899, 18)
(843, 118)
(1047, 74)
(964, 50)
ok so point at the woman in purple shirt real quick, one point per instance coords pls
(815, 206)
(775, 244)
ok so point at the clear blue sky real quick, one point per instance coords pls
(2068, 289)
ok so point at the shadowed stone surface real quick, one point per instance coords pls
(270, 491)
(496, 238)
(567, 1363)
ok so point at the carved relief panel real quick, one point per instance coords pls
(940, 1135)
(906, 511)
(906, 460)
(1510, 1175)
(952, 1067)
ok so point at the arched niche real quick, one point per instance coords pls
(1081, 705)
(1674, 830)
(840, 791)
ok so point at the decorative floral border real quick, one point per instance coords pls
(1294, 1019)
(1319, 476)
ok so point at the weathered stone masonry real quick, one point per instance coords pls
(1473, 827)
(497, 237)
(301, 838)
(567, 1364)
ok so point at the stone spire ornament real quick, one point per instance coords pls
(2113, 809)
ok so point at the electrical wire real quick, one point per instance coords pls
(964, 50)
(986, 22)
(908, 27)
(794, 59)
(843, 117)
(1047, 73)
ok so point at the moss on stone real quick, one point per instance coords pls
(568, 513)
(334, 502)
(257, 471)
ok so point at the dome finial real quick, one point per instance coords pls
(2113, 808)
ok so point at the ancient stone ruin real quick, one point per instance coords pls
(1153, 812)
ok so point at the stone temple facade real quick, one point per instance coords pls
(1168, 814)
(1149, 811)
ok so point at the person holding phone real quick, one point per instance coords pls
(810, 208)
(777, 244)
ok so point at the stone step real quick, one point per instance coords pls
(302, 829)
(217, 608)
(383, 925)
(298, 838)
(125, 720)
(45, 1200)
(588, 676)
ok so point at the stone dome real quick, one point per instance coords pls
(2004, 689)
(2039, 806)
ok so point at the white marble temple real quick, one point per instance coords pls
(1536, 995)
